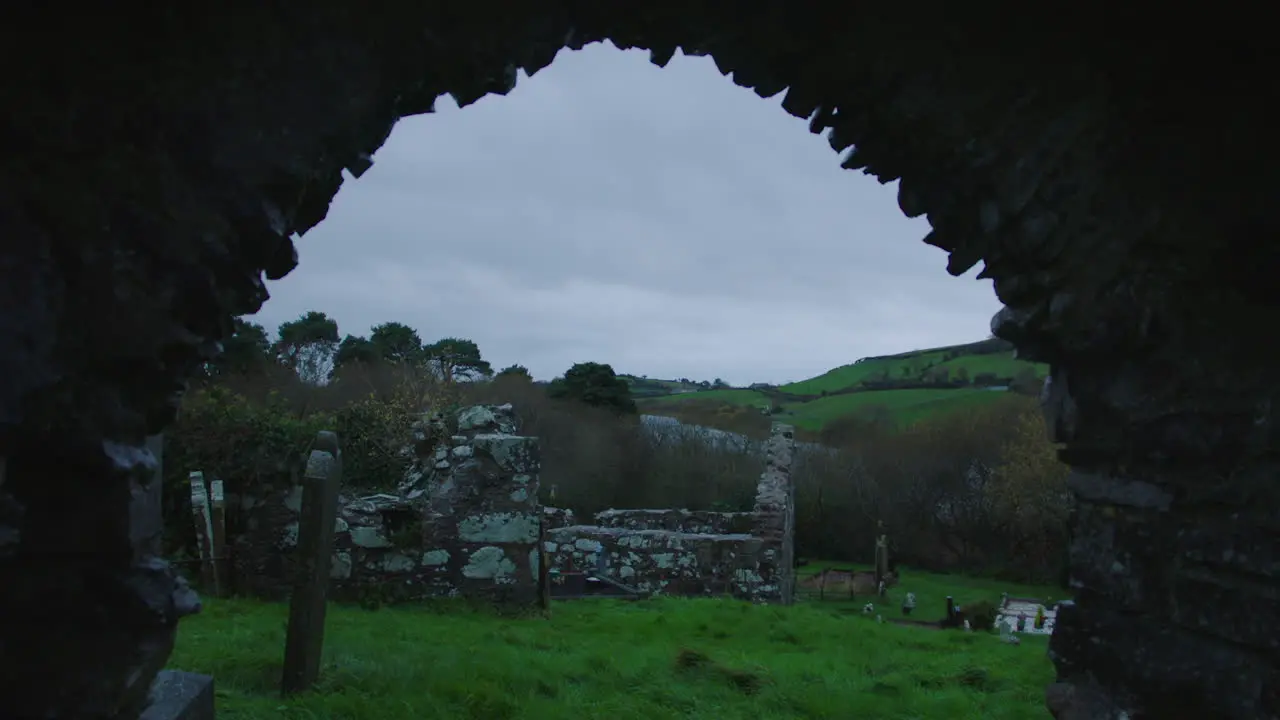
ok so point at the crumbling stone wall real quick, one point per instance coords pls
(553, 517)
(666, 562)
(681, 552)
(465, 523)
(703, 522)
(775, 518)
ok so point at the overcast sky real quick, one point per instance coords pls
(665, 221)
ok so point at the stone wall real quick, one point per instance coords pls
(557, 517)
(687, 521)
(682, 552)
(465, 522)
(660, 561)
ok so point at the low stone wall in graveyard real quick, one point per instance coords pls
(557, 517)
(659, 561)
(465, 523)
(681, 552)
(686, 521)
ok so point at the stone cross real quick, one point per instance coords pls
(882, 554)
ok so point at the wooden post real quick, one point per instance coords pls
(218, 534)
(544, 568)
(204, 532)
(305, 636)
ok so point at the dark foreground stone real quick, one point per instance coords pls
(177, 695)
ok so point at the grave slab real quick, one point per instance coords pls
(178, 695)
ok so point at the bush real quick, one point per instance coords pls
(245, 444)
(977, 492)
(981, 615)
(373, 434)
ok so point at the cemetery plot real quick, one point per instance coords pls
(1024, 615)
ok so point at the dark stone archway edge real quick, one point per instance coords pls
(1115, 177)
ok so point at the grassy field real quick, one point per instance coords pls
(713, 659)
(906, 405)
(848, 376)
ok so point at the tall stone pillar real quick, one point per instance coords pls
(1174, 554)
(90, 610)
(775, 518)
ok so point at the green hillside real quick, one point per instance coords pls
(910, 386)
(735, 396)
(903, 405)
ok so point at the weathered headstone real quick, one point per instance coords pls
(218, 535)
(882, 553)
(203, 519)
(305, 638)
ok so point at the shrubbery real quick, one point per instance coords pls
(979, 491)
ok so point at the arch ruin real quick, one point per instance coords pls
(1115, 181)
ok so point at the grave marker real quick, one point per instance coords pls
(305, 638)
(201, 516)
(218, 536)
(882, 552)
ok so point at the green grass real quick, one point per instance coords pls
(932, 589)
(905, 405)
(712, 659)
(1002, 365)
(955, 401)
(848, 376)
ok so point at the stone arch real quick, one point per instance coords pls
(1115, 185)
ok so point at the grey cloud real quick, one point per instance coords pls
(662, 220)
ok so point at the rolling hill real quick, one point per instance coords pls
(909, 386)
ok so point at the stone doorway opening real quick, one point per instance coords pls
(1116, 184)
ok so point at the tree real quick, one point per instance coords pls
(307, 346)
(456, 359)
(718, 383)
(594, 384)
(1030, 489)
(397, 343)
(1030, 483)
(246, 352)
(515, 372)
(354, 349)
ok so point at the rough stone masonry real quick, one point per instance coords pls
(1117, 183)
(466, 522)
(680, 552)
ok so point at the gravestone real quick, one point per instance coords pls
(305, 638)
